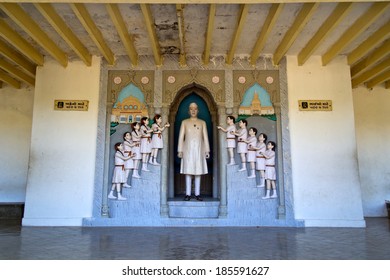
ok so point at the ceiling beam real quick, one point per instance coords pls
(302, 18)
(180, 21)
(145, 8)
(379, 79)
(17, 73)
(374, 57)
(209, 34)
(21, 18)
(95, 34)
(376, 70)
(18, 58)
(360, 25)
(327, 27)
(372, 42)
(237, 33)
(19, 43)
(189, 1)
(121, 28)
(268, 25)
(9, 80)
(49, 13)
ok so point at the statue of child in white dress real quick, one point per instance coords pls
(157, 140)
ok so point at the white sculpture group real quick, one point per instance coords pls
(259, 153)
(143, 144)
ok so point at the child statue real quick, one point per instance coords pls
(119, 175)
(127, 150)
(146, 142)
(242, 148)
(157, 141)
(230, 138)
(270, 172)
(260, 159)
(136, 136)
(251, 155)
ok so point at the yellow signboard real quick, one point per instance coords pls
(315, 105)
(71, 105)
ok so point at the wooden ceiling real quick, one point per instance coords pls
(33, 31)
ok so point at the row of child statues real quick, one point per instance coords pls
(142, 145)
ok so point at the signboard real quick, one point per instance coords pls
(315, 105)
(71, 105)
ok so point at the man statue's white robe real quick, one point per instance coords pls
(194, 144)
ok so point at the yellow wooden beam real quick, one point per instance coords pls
(375, 56)
(17, 73)
(149, 22)
(369, 44)
(180, 20)
(190, 1)
(19, 43)
(9, 80)
(268, 25)
(387, 84)
(96, 35)
(209, 34)
(376, 70)
(18, 58)
(379, 79)
(64, 31)
(302, 18)
(326, 28)
(21, 18)
(237, 33)
(360, 25)
(121, 28)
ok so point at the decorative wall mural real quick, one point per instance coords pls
(213, 80)
(265, 80)
(256, 101)
(130, 106)
(247, 100)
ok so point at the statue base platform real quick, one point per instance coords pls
(193, 209)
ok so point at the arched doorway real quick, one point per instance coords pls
(179, 112)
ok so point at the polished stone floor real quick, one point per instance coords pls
(228, 243)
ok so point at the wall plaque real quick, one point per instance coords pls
(71, 105)
(315, 105)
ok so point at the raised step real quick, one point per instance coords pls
(11, 210)
(193, 209)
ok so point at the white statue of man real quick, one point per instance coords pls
(193, 149)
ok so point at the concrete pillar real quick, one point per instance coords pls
(164, 165)
(222, 161)
(105, 211)
(279, 153)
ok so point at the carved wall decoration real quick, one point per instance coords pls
(212, 80)
(144, 80)
(215, 79)
(244, 79)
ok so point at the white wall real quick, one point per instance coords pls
(323, 146)
(63, 146)
(15, 133)
(372, 120)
